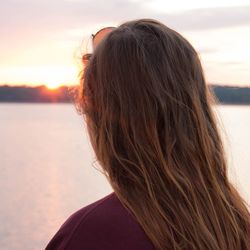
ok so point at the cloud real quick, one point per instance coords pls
(207, 50)
(48, 15)
(27, 23)
(209, 18)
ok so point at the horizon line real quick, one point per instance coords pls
(74, 85)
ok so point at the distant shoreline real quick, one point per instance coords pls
(72, 103)
(225, 95)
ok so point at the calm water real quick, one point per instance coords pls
(47, 171)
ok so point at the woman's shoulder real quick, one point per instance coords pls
(70, 227)
(103, 224)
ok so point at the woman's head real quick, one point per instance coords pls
(147, 75)
(151, 125)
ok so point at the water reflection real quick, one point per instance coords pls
(47, 173)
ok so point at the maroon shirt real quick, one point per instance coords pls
(104, 224)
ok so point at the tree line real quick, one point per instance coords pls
(64, 94)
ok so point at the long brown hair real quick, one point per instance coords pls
(153, 131)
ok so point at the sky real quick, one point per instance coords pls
(41, 41)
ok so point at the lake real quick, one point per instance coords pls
(48, 168)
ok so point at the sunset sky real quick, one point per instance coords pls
(41, 41)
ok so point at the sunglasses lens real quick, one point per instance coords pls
(85, 59)
(97, 38)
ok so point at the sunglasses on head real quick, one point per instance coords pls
(96, 39)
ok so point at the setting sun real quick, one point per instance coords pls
(52, 85)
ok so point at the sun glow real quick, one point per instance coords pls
(51, 76)
(53, 85)
(53, 80)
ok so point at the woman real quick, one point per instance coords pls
(149, 117)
